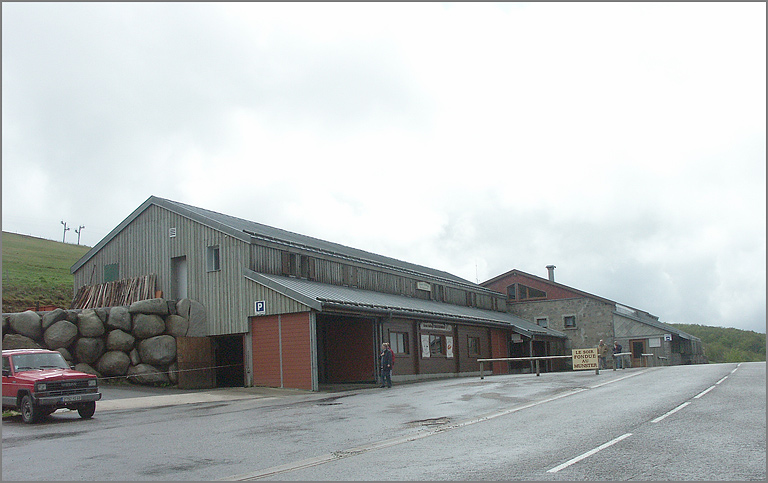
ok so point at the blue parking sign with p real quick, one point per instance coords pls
(260, 307)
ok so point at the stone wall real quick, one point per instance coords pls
(136, 341)
(594, 319)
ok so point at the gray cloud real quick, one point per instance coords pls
(469, 138)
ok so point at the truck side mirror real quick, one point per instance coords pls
(6, 372)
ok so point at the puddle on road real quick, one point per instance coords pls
(429, 422)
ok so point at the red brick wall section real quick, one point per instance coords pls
(297, 354)
(553, 292)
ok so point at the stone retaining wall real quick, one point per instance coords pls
(136, 341)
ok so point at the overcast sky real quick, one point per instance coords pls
(622, 142)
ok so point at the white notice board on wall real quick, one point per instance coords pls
(424, 345)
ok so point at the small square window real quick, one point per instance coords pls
(542, 321)
(213, 259)
(111, 272)
(569, 321)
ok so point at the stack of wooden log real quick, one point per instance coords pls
(113, 294)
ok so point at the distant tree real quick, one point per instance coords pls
(727, 344)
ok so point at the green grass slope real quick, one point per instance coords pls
(726, 344)
(36, 270)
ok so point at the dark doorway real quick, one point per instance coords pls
(518, 349)
(346, 351)
(637, 348)
(228, 355)
(539, 350)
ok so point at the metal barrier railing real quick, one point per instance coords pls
(536, 359)
(626, 361)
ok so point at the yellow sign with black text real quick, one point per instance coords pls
(584, 359)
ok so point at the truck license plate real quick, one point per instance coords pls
(71, 398)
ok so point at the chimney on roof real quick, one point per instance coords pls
(551, 270)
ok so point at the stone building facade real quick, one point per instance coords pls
(587, 318)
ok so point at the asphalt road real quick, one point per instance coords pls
(704, 422)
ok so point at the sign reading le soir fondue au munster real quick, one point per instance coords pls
(584, 359)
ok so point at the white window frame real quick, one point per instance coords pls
(399, 342)
(213, 258)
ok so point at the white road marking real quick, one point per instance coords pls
(617, 380)
(589, 453)
(671, 412)
(697, 396)
(321, 459)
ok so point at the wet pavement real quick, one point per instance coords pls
(131, 397)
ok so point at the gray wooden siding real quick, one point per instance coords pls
(145, 247)
(265, 259)
(269, 259)
(275, 303)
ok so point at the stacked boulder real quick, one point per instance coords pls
(136, 341)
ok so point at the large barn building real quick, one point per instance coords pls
(288, 310)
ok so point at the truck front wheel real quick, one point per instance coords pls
(29, 412)
(86, 410)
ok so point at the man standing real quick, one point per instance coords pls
(386, 366)
(602, 354)
(617, 359)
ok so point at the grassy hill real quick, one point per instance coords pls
(36, 270)
(726, 344)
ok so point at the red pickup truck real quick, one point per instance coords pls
(37, 382)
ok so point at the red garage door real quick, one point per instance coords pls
(282, 355)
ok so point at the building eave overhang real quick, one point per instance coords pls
(282, 289)
(332, 298)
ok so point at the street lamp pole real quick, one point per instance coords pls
(78, 233)
(64, 238)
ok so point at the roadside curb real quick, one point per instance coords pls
(216, 395)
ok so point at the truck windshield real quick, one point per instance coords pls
(26, 362)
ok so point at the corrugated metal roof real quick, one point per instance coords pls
(326, 295)
(269, 233)
(645, 318)
(248, 230)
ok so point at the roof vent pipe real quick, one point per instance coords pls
(551, 270)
